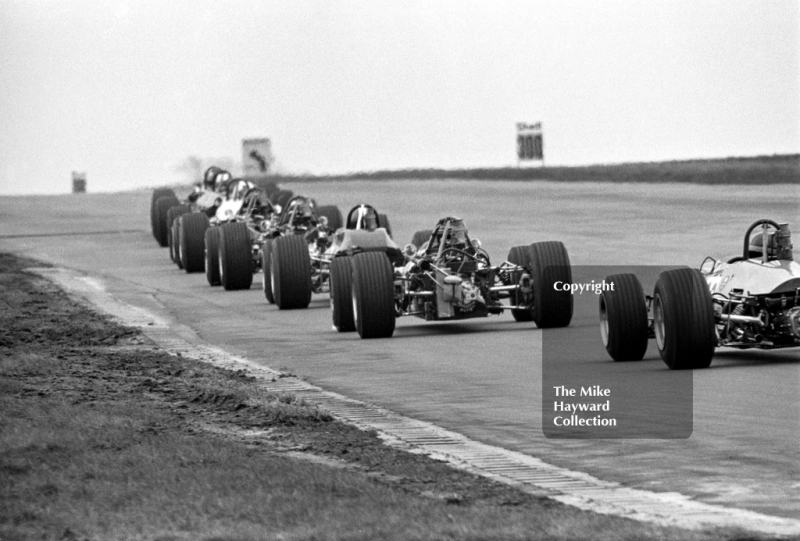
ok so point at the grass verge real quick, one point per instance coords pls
(103, 436)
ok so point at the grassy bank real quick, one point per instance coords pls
(777, 169)
(103, 436)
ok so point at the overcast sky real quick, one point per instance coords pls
(126, 90)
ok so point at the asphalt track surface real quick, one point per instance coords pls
(482, 377)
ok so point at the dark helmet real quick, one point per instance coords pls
(209, 177)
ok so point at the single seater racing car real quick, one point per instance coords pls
(448, 277)
(750, 300)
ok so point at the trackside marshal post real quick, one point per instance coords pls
(529, 142)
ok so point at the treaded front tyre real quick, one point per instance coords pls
(341, 294)
(332, 214)
(373, 295)
(266, 266)
(235, 261)
(683, 317)
(212, 256)
(291, 272)
(158, 213)
(550, 264)
(623, 318)
(519, 255)
(192, 232)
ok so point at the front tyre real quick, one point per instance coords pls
(549, 265)
(373, 295)
(683, 318)
(623, 318)
(192, 241)
(291, 272)
(341, 294)
(266, 266)
(212, 256)
(235, 261)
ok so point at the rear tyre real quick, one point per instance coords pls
(172, 237)
(341, 294)
(332, 214)
(192, 232)
(550, 264)
(373, 295)
(383, 221)
(291, 272)
(235, 261)
(683, 317)
(212, 256)
(158, 214)
(266, 265)
(623, 318)
(421, 237)
(519, 255)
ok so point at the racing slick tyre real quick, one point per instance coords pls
(373, 295)
(291, 272)
(174, 246)
(332, 214)
(421, 237)
(158, 213)
(281, 197)
(235, 261)
(172, 237)
(550, 264)
(266, 266)
(212, 256)
(341, 294)
(192, 236)
(383, 221)
(683, 318)
(623, 318)
(519, 255)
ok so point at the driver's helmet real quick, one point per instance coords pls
(367, 218)
(221, 181)
(302, 211)
(209, 177)
(757, 245)
(457, 235)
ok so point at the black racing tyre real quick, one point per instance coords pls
(341, 294)
(550, 264)
(683, 318)
(383, 221)
(162, 226)
(332, 214)
(281, 197)
(212, 256)
(174, 245)
(172, 231)
(421, 237)
(623, 318)
(266, 266)
(291, 272)
(519, 255)
(192, 236)
(235, 261)
(158, 214)
(373, 295)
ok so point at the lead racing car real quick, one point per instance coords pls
(745, 301)
(448, 277)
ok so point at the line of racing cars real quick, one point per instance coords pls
(231, 229)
